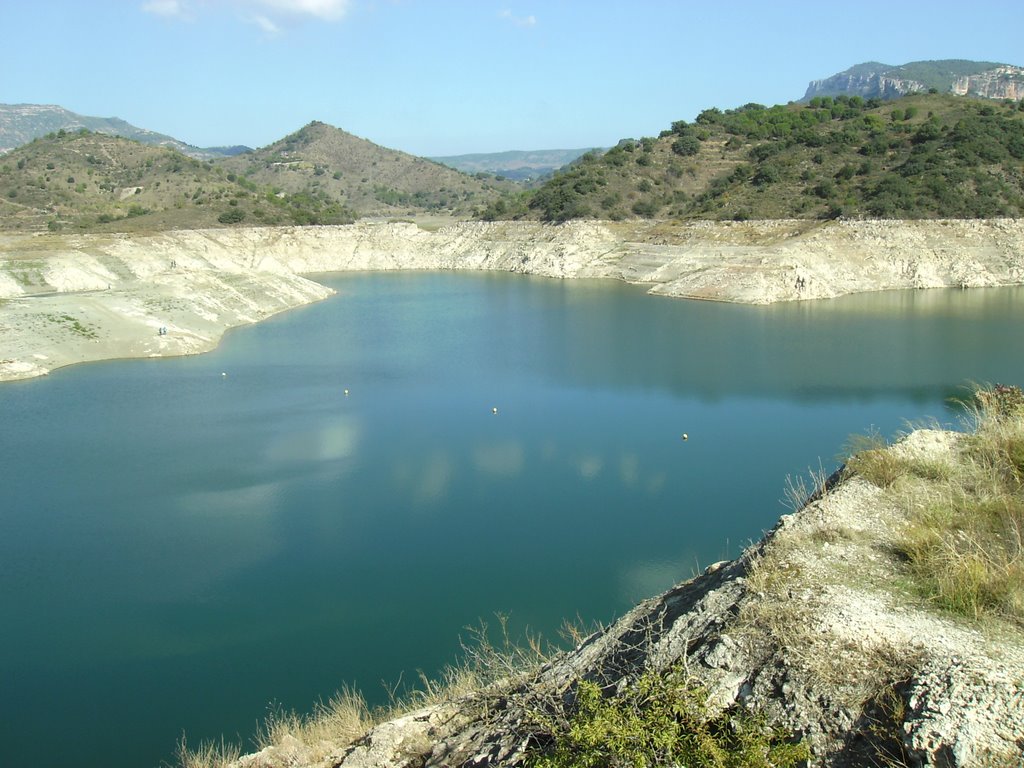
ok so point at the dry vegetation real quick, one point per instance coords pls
(492, 663)
(964, 544)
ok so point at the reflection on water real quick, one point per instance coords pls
(178, 549)
(847, 347)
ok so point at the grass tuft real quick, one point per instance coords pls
(965, 540)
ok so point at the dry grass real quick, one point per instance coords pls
(492, 662)
(964, 541)
(207, 755)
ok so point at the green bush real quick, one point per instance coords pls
(661, 720)
(686, 146)
(232, 216)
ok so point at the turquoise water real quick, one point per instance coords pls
(179, 549)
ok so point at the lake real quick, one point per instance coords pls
(180, 549)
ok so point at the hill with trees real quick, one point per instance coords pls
(319, 175)
(92, 181)
(324, 161)
(922, 156)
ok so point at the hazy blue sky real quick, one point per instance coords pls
(436, 77)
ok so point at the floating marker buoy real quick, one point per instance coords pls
(346, 393)
(494, 410)
(685, 436)
(222, 373)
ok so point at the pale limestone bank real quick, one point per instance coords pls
(67, 299)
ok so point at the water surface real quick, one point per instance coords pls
(180, 548)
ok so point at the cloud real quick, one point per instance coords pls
(266, 25)
(266, 14)
(327, 10)
(519, 21)
(168, 8)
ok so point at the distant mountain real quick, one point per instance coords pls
(873, 79)
(514, 164)
(21, 123)
(329, 163)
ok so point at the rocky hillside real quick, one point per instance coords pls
(985, 79)
(923, 156)
(322, 160)
(21, 123)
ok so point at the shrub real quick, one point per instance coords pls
(646, 208)
(662, 719)
(766, 174)
(232, 216)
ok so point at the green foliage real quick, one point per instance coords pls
(232, 216)
(660, 720)
(686, 146)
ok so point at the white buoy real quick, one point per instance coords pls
(223, 373)
(346, 393)
(494, 410)
(685, 436)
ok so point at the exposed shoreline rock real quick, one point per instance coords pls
(75, 298)
(809, 628)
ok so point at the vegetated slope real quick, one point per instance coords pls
(514, 164)
(874, 79)
(321, 160)
(923, 156)
(93, 181)
(21, 123)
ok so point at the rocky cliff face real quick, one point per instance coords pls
(869, 86)
(1000, 83)
(882, 81)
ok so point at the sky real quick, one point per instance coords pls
(447, 77)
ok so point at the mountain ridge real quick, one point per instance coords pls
(516, 164)
(21, 123)
(873, 79)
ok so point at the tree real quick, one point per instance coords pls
(686, 146)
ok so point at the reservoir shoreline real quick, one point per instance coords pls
(66, 299)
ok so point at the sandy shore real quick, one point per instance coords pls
(66, 299)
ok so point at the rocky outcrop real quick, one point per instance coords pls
(871, 85)
(874, 80)
(999, 83)
(68, 299)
